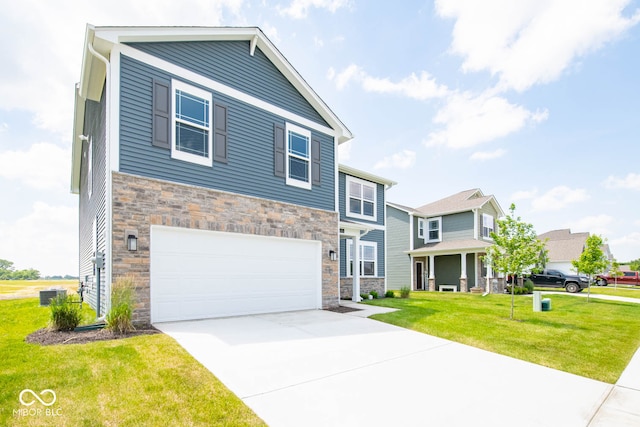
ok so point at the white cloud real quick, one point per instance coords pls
(524, 194)
(4, 127)
(46, 239)
(630, 182)
(470, 120)
(421, 87)
(44, 166)
(631, 239)
(594, 224)
(559, 197)
(318, 42)
(488, 155)
(402, 160)
(271, 32)
(531, 42)
(41, 66)
(299, 9)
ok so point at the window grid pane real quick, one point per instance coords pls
(192, 140)
(298, 169)
(192, 109)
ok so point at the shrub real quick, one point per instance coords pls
(66, 312)
(364, 296)
(389, 294)
(119, 317)
(404, 292)
(519, 290)
(528, 285)
(374, 294)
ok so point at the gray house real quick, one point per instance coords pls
(206, 170)
(362, 201)
(439, 246)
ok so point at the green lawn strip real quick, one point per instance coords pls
(143, 380)
(594, 340)
(620, 291)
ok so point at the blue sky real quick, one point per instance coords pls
(535, 102)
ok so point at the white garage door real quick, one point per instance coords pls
(199, 274)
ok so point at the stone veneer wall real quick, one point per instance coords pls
(139, 203)
(367, 284)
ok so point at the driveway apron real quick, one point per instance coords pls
(320, 368)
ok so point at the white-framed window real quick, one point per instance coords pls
(434, 229)
(191, 138)
(90, 168)
(487, 225)
(368, 258)
(421, 228)
(298, 161)
(361, 199)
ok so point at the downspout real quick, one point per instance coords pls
(107, 222)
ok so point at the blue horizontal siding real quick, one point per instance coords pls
(250, 166)
(230, 63)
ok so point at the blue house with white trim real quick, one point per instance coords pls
(207, 172)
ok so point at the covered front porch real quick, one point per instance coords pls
(454, 266)
(364, 279)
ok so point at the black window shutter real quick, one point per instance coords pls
(315, 162)
(220, 151)
(279, 151)
(161, 134)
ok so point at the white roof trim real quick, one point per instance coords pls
(366, 175)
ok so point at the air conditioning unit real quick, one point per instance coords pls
(47, 294)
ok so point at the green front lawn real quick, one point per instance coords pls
(144, 380)
(595, 339)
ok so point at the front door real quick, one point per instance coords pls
(419, 276)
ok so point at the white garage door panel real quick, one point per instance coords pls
(200, 274)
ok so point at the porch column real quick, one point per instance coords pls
(463, 272)
(432, 273)
(355, 270)
(489, 278)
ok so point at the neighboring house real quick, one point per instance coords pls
(362, 201)
(563, 246)
(206, 170)
(439, 246)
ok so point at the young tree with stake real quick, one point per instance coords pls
(516, 248)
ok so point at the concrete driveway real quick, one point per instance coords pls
(319, 368)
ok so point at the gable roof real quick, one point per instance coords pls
(563, 245)
(99, 42)
(460, 202)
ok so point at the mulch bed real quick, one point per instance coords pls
(48, 337)
(343, 309)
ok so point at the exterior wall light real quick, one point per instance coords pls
(333, 255)
(131, 237)
(132, 242)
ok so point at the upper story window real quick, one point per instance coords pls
(298, 160)
(368, 256)
(434, 229)
(361, 199)
(421, 228)
(487, 225)
(192, 133)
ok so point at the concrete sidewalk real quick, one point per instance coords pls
(319, 368)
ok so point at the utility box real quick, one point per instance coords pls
(47, 294)
(537, 301)
(546, 304)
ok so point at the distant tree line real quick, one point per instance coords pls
(635, 265)
(8, 272)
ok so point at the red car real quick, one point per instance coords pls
(628, 278)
